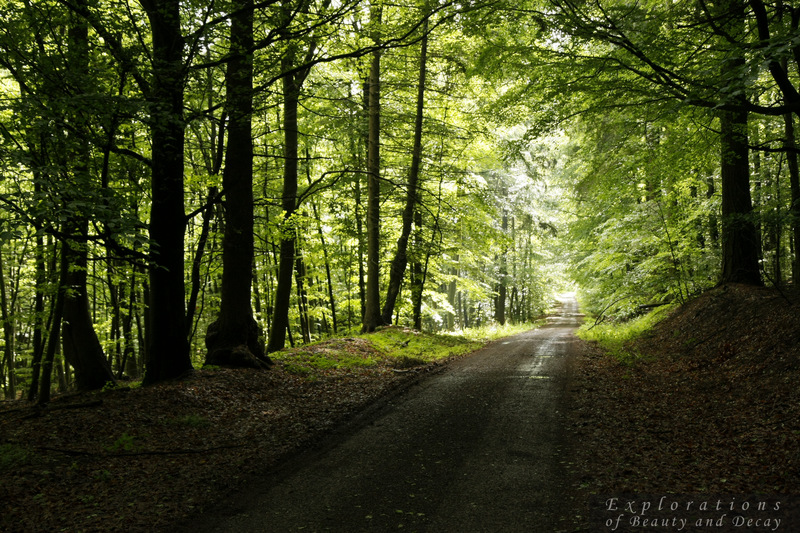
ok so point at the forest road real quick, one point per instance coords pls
(479, 447)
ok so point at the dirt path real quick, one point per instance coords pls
(478, 447)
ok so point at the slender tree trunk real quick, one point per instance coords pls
(53, 337)
(500, 308)
(292, 84)
(302, 297)
(38, 320)
(362, 276)
(328, 276)
(168, 354)
(400, 261)
(417, 277)
(9, 376)
(372, 311)
(197, 261)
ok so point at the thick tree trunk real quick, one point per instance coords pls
(398, 267)
(794, 185)
(372, 309)
(235, 339)
(740, 241)
(168, 351)
(81, 346)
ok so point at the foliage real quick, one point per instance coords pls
(617, 338)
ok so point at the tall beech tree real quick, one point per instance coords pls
(372, 305)
(235, 337)
(398, 267)
(292, 84)
(168, 351)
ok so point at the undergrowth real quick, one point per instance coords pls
(401, 348)
(616, 338)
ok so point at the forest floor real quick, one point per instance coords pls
(709, 409)
(710, 406)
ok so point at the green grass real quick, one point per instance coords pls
(616, 338)
(398, 347)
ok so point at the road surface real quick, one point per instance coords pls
(479, 447)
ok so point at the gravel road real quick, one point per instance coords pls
(479, 447)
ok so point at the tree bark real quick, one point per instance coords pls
(168, 351)
(372, 309)
(740, 239)
(739, 236)
(794, 185)
(500, 307)
(7, 373)
(235, 339)
(81, 346)
(38, 309)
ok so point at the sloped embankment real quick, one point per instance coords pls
(712, 405)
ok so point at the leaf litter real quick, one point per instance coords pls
(143, 459)
(711, 406)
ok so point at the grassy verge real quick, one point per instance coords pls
(616, 338)
(400, 348)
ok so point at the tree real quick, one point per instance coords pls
(235, 337)
(168, 350)
(372, 310)
(292, 84)
(631, 50)
(400, 261)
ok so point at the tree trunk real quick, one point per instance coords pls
(53, 337)
(292, 83)
(740, 239)
(197, 261)
(7, 374)
(235, 339)
(80, 344)
(168, 354)
(362, 285)
(372, 310)
(740, 250)
(38, 309)
(417, 278)
(500, 307)
(302, 297)
(794, 185)
(81, 347)
(400, 261)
